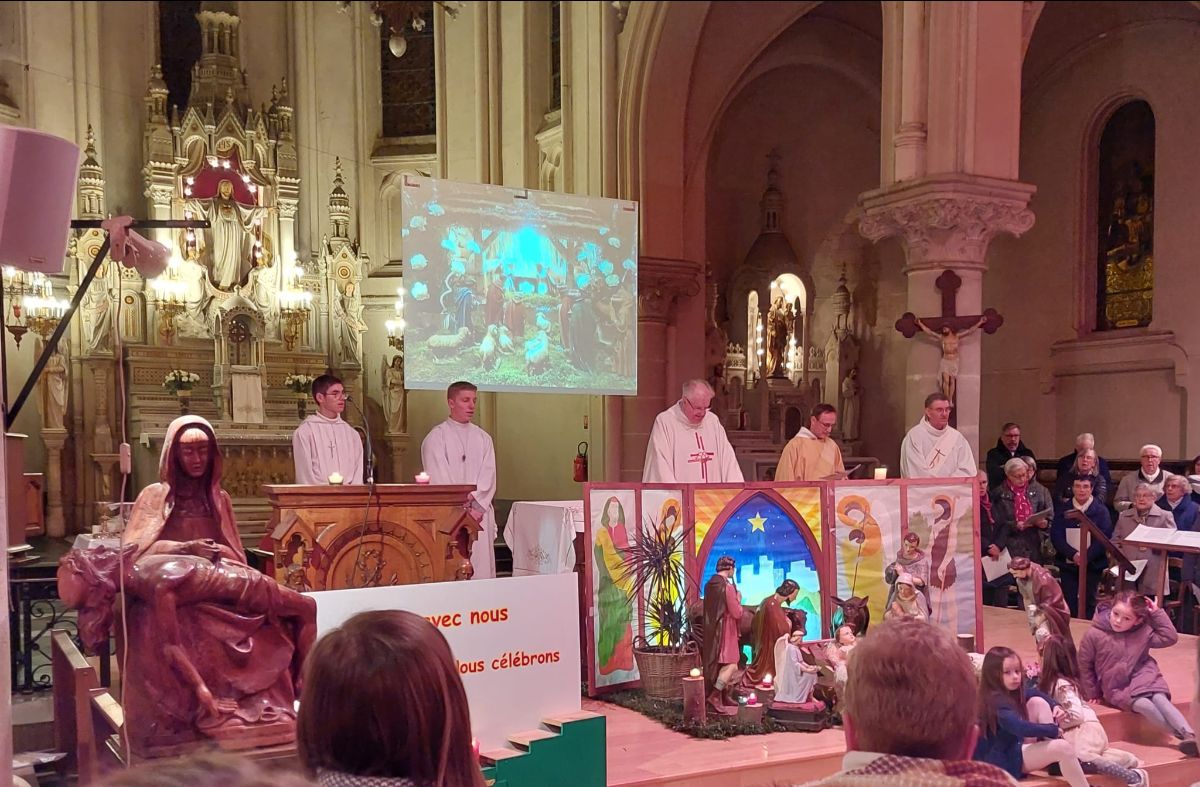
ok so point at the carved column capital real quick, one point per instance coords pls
(662, 283)
(947, 219)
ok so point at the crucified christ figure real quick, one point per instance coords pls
(948, 367)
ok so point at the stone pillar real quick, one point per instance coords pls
(661, 285)
(946, 222)
(54, 440)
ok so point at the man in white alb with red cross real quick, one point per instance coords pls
(688, 443)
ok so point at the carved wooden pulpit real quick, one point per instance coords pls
(336, 537)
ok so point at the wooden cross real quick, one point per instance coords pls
(948, 283)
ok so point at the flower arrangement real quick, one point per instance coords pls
(299, 383)
(180, 380)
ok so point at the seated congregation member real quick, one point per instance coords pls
(1153, 580)
(1009, 714)
(1084, 467)
(995, 591)
(1177, 500)
(1058, 677)
(1064, 534)
(1115, 664)
(1008, 446)
(1194, 477)
(1019, 508)
(1085, 442)
(383, 706)
(917, 731)
(1149, 473)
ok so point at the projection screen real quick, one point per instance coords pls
(518, 290)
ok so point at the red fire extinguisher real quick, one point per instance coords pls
(581, 469)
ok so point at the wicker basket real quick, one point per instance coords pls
(662, 669)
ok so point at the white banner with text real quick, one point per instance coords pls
(515, 641)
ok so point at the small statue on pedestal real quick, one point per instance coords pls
(722, 610)
(214, 647)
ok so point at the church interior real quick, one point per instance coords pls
(846, 221)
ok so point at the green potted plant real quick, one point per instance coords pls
(654, 570)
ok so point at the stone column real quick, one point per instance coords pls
(54, 440)
(946, 222)
(661, 285)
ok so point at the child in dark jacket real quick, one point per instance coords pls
(1115, 664)
(1008, 715)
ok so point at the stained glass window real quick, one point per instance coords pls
(1125, 219)
(408, 84)
(555, 55)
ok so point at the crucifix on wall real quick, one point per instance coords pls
(949, 330)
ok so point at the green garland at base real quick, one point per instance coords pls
(670, 715)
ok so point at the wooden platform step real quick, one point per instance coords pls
(522, 740)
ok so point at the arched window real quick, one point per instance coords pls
(555, 55)
(408, 83)
(1125, 219)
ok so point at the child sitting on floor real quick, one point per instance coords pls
(1007, 716)
(1115, 664)
(1059, 678)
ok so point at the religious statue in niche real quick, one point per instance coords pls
(54, 376)
(393, 384)
(215, 647)
(948, 366)
(851, 391)
(97, 307)
(227, 248)
(779, 329)
(348, 314)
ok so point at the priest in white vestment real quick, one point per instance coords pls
(457, 451)
(325, 448)
(688, 444)
(935, 449)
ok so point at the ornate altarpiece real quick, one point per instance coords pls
(236, 306)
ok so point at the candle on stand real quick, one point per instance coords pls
(695, 713)
(767, 680)
(422, 477)
(335, 478)
(881, 472)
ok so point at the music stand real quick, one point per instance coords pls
(1088, 527)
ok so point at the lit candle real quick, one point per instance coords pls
(881, 472)
(422, 477)
(695, 673)
(335, 478)
(753, 699)
(767, 679)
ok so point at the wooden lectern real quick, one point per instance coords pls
(335, 537)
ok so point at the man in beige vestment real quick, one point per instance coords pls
(812, 455)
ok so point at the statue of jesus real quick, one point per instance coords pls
(948, 368)
(231, 255)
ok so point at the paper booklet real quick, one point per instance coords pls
(994, 568)
(1072, 534)
(1132, 576)
(1187, 539)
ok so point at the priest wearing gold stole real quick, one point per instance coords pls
(325, 448)
(935, 449)
(812, 455)
(457, 451)
(688, 444)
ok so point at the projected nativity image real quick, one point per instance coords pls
(519, 290)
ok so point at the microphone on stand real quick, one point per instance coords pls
(359, 570)
(370, 474)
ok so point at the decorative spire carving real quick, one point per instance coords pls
(156, 96)
(91, 181)
(339, 204)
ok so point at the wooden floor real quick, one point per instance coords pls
(643, 752)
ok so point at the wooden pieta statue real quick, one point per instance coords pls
(214, 647)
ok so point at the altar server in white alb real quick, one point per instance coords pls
(935, 449)
(688, 444)
(457, 451)
(325, 448)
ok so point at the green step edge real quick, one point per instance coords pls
(576, 755)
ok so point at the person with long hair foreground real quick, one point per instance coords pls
(383, 706)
